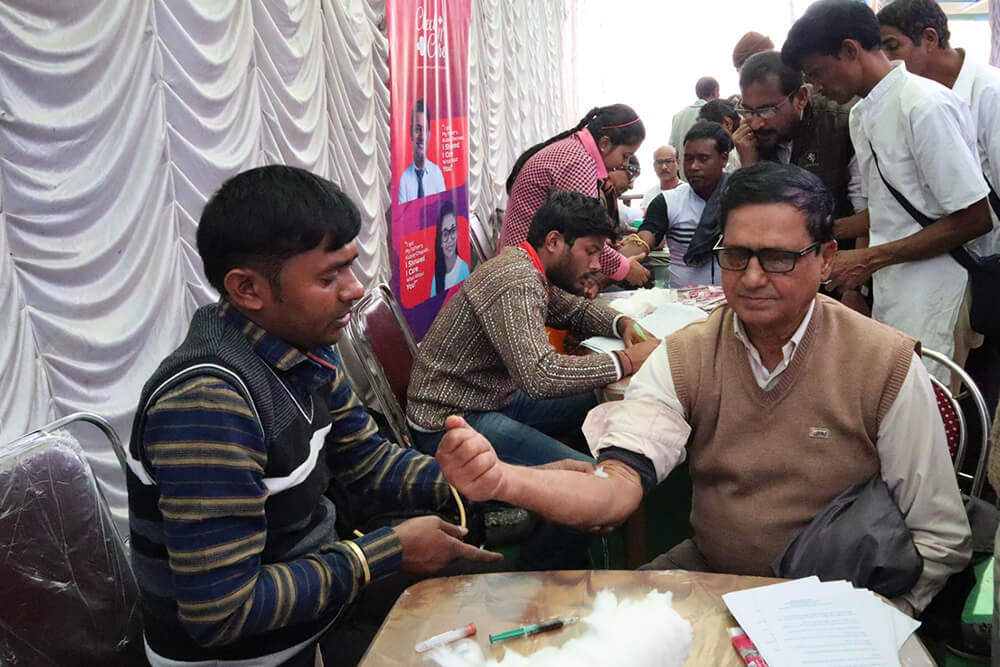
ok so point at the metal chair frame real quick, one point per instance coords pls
(89, 417)
(482, 242)
(372, 367)
(978, 478)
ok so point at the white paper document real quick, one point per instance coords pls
(663, 321)
(808, 623)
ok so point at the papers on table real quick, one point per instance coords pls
(663, 321)
(641, 302)
(811, 623)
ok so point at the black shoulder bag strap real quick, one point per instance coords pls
(960, 254)
(994, 199)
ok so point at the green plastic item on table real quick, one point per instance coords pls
(979, 604)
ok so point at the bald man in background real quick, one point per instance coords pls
(666, 164)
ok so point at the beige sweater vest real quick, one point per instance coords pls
(764, 463)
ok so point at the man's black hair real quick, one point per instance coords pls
(760, 66)
(707, 129)
(775, 183)
(706, 88)
(824, 27)
(718, 109)
(572, 214)
(261, 217)
(912, 17)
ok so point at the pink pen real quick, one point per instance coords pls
(748, 652)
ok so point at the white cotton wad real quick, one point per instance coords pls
(638, 633)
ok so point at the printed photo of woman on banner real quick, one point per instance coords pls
(428, 82)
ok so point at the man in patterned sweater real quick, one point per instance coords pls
(487, 356)
(246, 431)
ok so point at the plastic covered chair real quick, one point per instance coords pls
(382, 341)
(69, 595)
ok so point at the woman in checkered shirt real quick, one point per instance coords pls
(578, 159)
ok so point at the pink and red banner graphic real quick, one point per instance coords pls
(429, 122)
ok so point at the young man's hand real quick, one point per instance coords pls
(853, 268)
(429, 543)
(629, 334)
(637, 273)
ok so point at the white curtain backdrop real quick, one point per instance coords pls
(119, 118)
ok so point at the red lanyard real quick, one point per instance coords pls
(528, 248)
(322, 362)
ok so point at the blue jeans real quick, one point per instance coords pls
(521, 432)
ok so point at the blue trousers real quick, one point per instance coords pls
(522, 432)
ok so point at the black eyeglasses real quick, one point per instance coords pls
(664, 162)
(630, 170)
(772, 260)
(762, 112)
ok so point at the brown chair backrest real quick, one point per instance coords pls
(388, 335)
(69, 595)
(383, 342)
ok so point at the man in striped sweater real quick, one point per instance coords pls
(248, 444)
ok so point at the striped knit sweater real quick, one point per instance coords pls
(237, 441)
(490, 340)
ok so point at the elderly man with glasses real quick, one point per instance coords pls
(781, 400)
(666, 166)
(782, 122)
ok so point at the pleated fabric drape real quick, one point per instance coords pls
(119, 118)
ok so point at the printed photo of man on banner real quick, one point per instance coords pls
(429, 120)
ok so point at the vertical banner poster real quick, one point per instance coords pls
(429, 121)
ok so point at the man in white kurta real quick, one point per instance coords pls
(924, 139)
(916, 32)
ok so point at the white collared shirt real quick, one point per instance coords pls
(433, 182)
(911, 443)
(925, 140)
(765, 378)
(979, 86)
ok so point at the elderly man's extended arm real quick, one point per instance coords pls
(915, 465)
(580, 499)
(636, 441)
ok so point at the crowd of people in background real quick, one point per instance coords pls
(844, 199)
